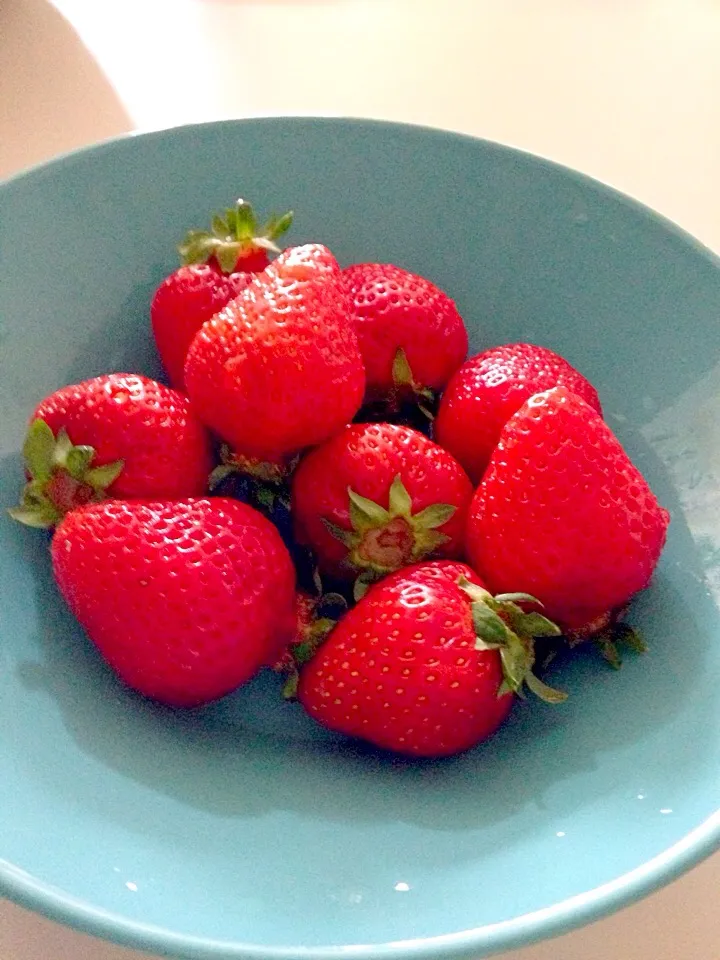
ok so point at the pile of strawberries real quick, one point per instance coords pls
(284, 505)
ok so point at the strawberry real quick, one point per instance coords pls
(376, 497)
(488, 389)
(425, 664)
(118, 435)
(279, 368)
(184, 599)
(216, 267)
(411, 335)
(182, 303)
(563, 514)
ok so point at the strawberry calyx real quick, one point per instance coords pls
(235, 239)
(267, 478)
(267, 471)
(406, 401)
(502, 624)
(383, 540)
(61, 477)
(404, 381)
(316, 617)
(610, 635)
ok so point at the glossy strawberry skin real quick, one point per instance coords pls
(183, 302)
(562, 513)
(395, 309)
(185, 600)
(150, 427)
(489, 388)
(366, 458)
(401, 670)
(279, 369)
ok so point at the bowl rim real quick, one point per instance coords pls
(560, 918)
(30, 892)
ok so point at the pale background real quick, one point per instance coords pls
(627, 91)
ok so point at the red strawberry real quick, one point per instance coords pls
(563, 514)
(182, 303)
(185, 599)
(216, 267)
(489, 388)
(410, 668)
(377, 497)
(279, 368)
(119, 435)
(411, 335)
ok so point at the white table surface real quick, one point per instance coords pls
(625, 90)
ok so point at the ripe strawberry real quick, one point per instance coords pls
(216, 267)
(376, 497)
(489, 388)
(185, 599)
(425, 664)
(182, 303)
(411, 335)
(279, 368)
(563, 514)
(119, 435)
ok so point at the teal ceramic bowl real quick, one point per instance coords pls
(243, 830)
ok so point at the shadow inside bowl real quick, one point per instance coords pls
(251, 752)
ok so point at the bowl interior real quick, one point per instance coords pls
(243, 828)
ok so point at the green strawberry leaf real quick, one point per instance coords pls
(38, 450)
(63, 446)
(100, 478)
(535, 625)
(543, 691)
(489, 627)
(366, 514)
(514, 668)
(517, 598)
(277, 225)
(197, 247)
(401, 372)
(363, 584)
(475, 592)
(630, 637)
(263, 243)
(610, 652)
(399, 500)
(221, 228)
(436, 515)
(346, 537)
(220, 473)
(245, 221)
(227, 257)
(290, 687)
(38, 517)
(78, 460)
